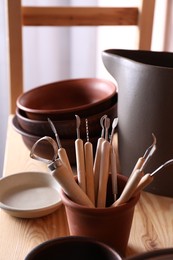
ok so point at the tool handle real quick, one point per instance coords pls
(104, 173)
(70, 187)
(80, 163)
(64, 158)
(96, 167)
(138, 165)
(129, 188)
(144, 182)
(88, 150)
(113, 169)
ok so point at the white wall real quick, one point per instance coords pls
(4, 84)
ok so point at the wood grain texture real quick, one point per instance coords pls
(152, 227)
(79, 16)
(146, 24)
(14, 42)
(20, 236)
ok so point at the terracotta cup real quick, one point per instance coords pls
(110, 225)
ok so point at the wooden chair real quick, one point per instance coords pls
(19, 16)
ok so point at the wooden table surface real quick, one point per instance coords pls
(152, 226)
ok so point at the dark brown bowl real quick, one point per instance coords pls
(73, 247)
(63, 99)
(65, 128)
(44, 149)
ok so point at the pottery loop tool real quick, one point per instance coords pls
(60, 172)
(61, 151)
(142, 161)
(102, 120)
(129, 188)
(88, 151)
(148, 178)
(136, 175)
(52, 142)
(113, 161)
(104, 167)
(80, 160)
(114, 125)
(149, 152)
(107, 126)
(96, 166)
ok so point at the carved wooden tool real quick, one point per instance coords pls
(88, 151)
(80, 160)
(96, 167)
(104, 168)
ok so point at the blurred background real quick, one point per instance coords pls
(52, 54)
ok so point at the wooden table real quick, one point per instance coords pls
(152, 226)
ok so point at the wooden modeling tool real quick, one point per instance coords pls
(88, 151)
(104, 168)
(96, 167)
(113, 161)
(130, 188)
(148, 178)
(61, 151)
(61, 173)
(142, 161)
(136, 175)
(69, 185)
(80, 161)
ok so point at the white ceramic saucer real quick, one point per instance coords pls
(29, 194)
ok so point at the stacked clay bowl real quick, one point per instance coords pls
(60, 101)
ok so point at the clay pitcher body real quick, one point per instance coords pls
(145, 106)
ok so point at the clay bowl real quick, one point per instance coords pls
(63, 99)
(44, 149)
(73, 247)
(66, 128)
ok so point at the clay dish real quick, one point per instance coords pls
(63, 99)
(65, 128)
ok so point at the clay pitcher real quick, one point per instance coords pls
(145, 106)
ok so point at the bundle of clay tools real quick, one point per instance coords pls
(90, 188)
(138, 180)
(93, 172)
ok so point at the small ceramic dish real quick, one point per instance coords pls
(29, 194)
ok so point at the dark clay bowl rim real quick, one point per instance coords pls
(19, 129)
(71, 109)
(65, 121)
(143, 58)
(23, 133)
(67, 240)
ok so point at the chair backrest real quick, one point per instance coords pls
(19, 16)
